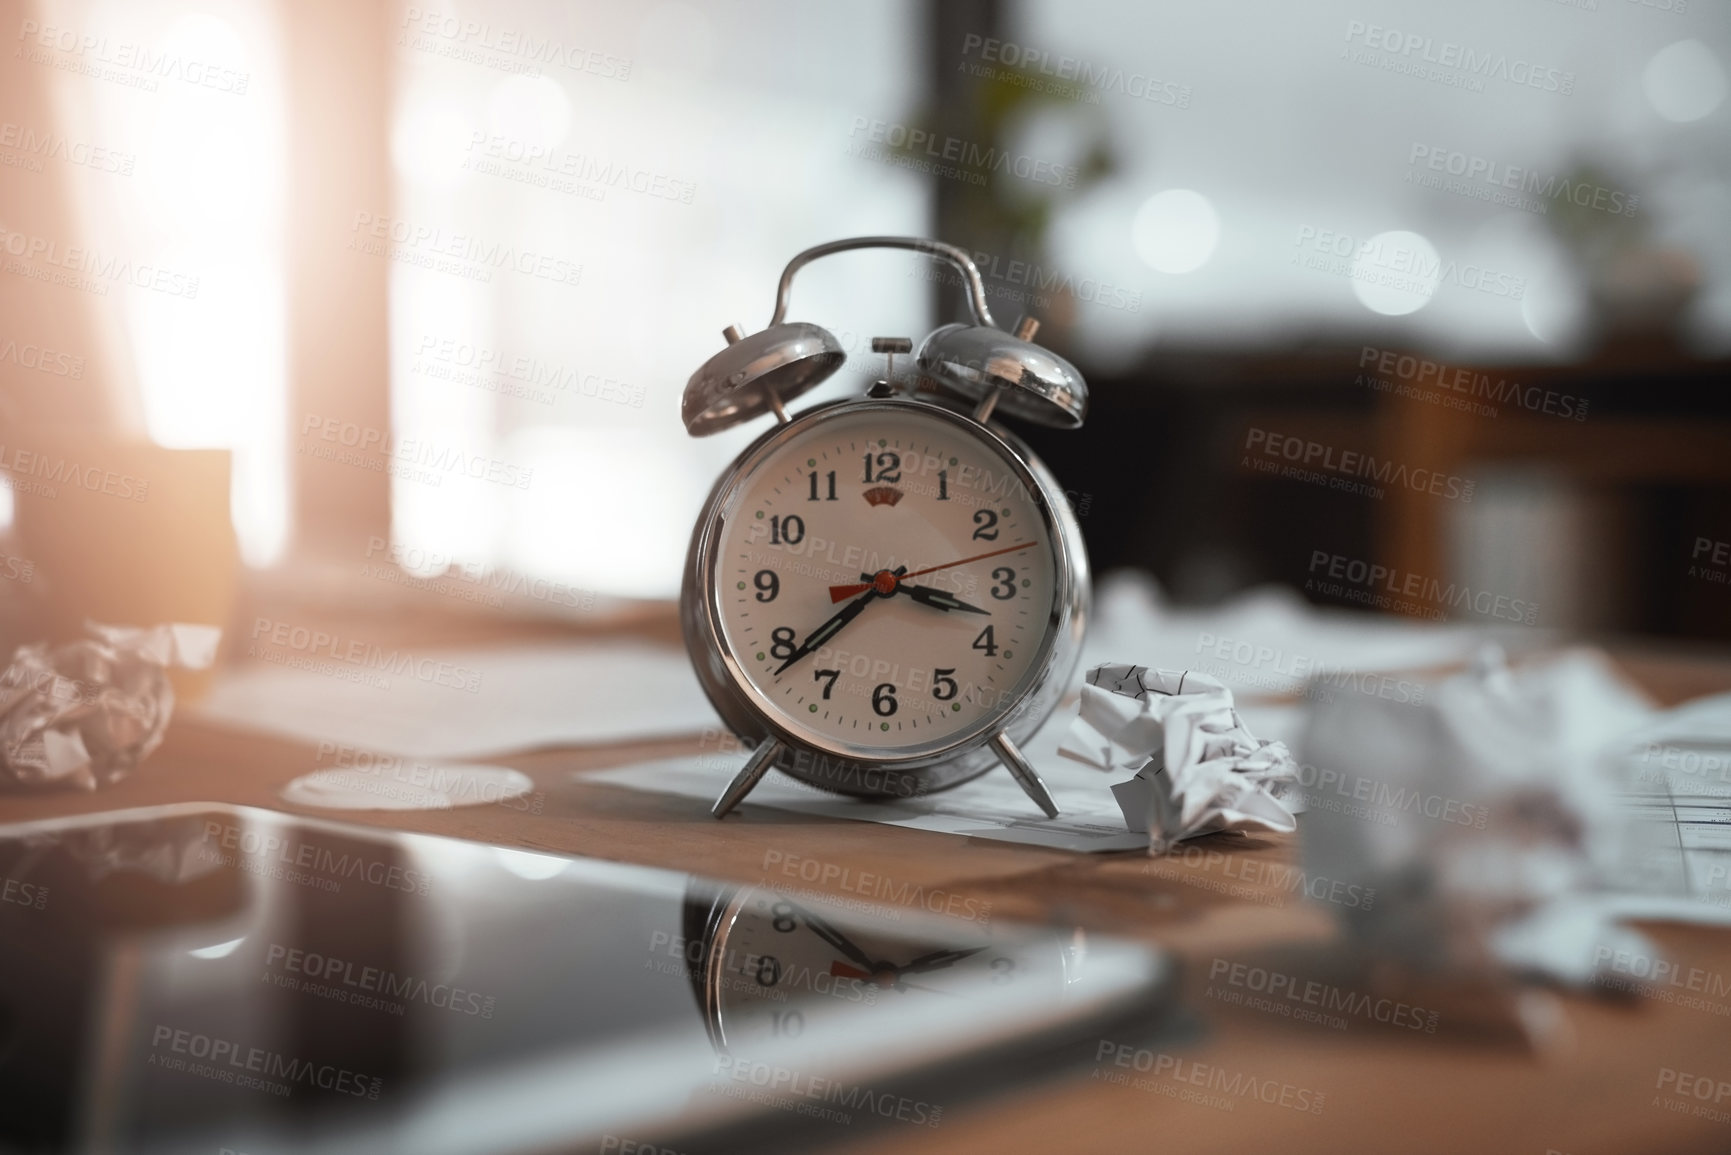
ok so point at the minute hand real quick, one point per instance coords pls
(835, 938)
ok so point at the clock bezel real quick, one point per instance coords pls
(872, 771)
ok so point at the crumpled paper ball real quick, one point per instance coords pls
(85, 713)
(1479, 815)
(1198, 769)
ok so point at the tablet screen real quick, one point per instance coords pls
(202, 978)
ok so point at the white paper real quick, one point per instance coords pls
(184, 644)
(1268, 640)
(85, 713)
(528, 697)
(991, 806)
(1678, 773)
(1198, 769)
(1488, 814)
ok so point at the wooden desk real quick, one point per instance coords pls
(1381, 1088)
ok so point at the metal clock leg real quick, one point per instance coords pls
(1025, 776)
(755, 767)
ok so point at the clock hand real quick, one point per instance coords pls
(817, 637)
(966, 560)
(937, 960)
(841, 970)
(835, 938)
(842, 593)
(832, 627)
(926, 595)
(938, 599)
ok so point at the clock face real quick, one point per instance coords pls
(781, 963)
(885, 580)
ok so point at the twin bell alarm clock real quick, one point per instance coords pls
(885, 595)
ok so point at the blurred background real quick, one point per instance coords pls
(1416, 309)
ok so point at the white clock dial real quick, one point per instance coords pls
(885, 581)
(781, 963)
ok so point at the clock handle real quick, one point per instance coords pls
(1025, 776)
(754, 769)
(958, 257)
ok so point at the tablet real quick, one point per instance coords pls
(209, 978)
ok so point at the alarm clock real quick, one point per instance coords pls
(885, 595)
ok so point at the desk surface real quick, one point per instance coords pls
(1593, 1089)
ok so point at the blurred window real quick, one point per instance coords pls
(1490, 181)
(188, 104)
(587, 194)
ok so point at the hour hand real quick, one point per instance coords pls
(938, 599)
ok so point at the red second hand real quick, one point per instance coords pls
(842, 593)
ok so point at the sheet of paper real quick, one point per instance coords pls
(1675, 862)
(991, 806)
(1679, 773)
(525, 697)
(1267, 640)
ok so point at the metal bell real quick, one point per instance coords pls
(979, 363)
(993, 369)
(758, 374)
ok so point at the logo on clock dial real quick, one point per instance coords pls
(882, 495)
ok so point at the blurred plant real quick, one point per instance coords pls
(1010, 215)
(1015, 211)
(1637, 286)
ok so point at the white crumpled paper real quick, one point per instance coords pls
(1486, 817)
(85, 713)
(1198, 770)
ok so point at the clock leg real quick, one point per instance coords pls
(1025, 776)
(759, 762)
